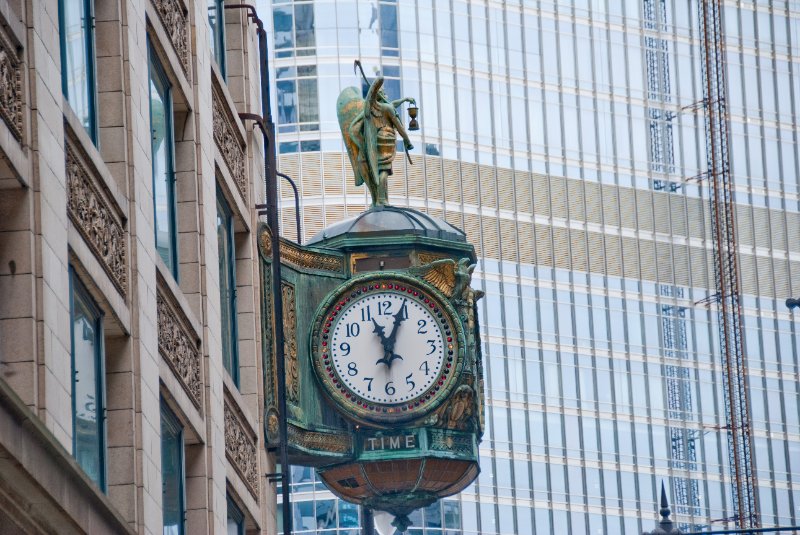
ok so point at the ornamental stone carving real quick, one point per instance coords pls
(174, 17)
(178, 347)
(96, 218)
(10, 86)
(240, 449)
(229, 142)
(310, 259)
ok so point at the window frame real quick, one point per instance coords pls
(172, 423)
(235, 513)
(229, 305)
(157, 74)
(91, 63)
(79, 291)
(217, 40)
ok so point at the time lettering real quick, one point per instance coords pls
(399, 442)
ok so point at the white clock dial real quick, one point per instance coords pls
(387, 347)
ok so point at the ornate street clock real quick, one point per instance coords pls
(384, 374)
(387, 349)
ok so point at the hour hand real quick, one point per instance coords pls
(380, 331)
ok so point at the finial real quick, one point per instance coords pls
(665, 512)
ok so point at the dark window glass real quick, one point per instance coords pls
(216, 26)
(388, 26)
(283, 21)
(161, 143)
(227, 288)
(235, 519)
(304, 25)
(348, 515)
(76, 32)
(88, 391)
(172, 473)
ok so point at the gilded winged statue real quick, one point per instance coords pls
(369, 127)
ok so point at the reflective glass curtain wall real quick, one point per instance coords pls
(567, 139)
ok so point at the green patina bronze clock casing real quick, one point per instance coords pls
(384, 373)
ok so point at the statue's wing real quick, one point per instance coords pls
(370, 128)
(441, 274)
(349, 107)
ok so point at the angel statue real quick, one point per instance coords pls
(370, 126)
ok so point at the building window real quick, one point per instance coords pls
(173, 499)
(216, 26)
(76, 34)
(294, 30)
(235, 519)
(298, 99)
(162, 147)
(88, 389)
(227, 287)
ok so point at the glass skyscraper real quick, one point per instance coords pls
(567, 139)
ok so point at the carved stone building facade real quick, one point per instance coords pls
(130, 374)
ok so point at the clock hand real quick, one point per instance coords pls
(379, 330)
(398, 319)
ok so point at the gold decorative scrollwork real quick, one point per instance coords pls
(315, 441)
(290, 343)
(310, 259)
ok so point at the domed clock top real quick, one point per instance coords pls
(385, 348)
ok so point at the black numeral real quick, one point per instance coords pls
(389, 388)
(421, 324)
(425, 366)
(369, 383)
(384, 308)
(409, 382)
(433, 346)
(344, 346)
(365, 314)
(353, 329)
(352, 369)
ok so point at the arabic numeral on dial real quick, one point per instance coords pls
(384, 308)
(390, 390)
(369, 383)
(352, 369)
(365, 314)
(424, 367)
(432, 343)
(409, 382)
(353, 329)
(345, 347)
(421, 324)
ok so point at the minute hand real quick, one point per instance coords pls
(398, 319)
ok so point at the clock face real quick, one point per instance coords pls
(386, 349)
